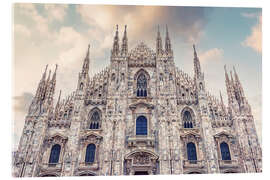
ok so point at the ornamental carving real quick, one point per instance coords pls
(141, 160)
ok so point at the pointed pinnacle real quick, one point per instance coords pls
(235, 74)
(116, 33)
(231, 76)
(59, 97)
(88, 49)
(46, 68)
(49, 75)
(195, 53)
(226, 73)
(45, 72)
(221, 97)
(54, 74)
(56, 66)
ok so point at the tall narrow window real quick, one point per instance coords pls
(141, 86)
(95, 120)
(55, 154)
(187, 119)
(225, 151)
(90, 153)
(191, 151)
(141, 125)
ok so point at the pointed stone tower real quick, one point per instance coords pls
(249, 147)
(206, 124)
(30, 146)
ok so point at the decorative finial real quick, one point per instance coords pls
(195, 53)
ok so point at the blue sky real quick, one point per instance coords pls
(50, 34)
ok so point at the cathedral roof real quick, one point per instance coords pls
(142, 51)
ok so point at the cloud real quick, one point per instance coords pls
(254, 40)
(56, 11)
(142, 21)
(22, 30)
(211, 55)
(21, 103)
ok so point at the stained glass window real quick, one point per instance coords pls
(225, 151)
(90, 153)
(141, 86)
(191, 151)
(95, 119)
(55, 153)
(141, 125)
(187, 120)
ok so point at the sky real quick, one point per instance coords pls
(60, 33)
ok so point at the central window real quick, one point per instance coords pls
(141, 85)
(187, 120)
(90, 153)
(94, 119)
(141, 125)
(55, 153)
(191, 151)
(225, 151)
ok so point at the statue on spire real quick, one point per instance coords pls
(168, 49)
(124, 49)
(86, 62)
(159, 49)
(197, 65)
(115, 50)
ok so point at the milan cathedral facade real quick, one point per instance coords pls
(139, 116)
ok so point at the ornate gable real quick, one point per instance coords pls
(56, 138)
(91, 137)
(223, 133)
(142, 56)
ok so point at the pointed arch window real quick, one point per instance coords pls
(55, 154)
(90, 153)
(142, 85)
(225, 151)
(95, 120)
(187, 120)
(191, 151)
(141, 125)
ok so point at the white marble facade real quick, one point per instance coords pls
(143, 115)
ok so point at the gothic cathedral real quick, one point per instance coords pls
(141, 115)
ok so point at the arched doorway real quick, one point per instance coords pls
(141, 162)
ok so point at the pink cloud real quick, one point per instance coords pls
(254, 40)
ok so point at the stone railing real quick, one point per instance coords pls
(187, 101)
(193, 163)
(95, 101)
(88, 166)
(51, 166)
(228, 163)
(142, 63)
(221, 123)
(60, 123)
(141, 141)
